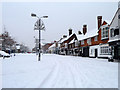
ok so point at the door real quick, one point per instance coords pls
(95, 52)
(86, 52)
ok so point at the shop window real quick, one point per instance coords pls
(104, 50)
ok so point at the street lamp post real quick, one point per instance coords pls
(39, 27)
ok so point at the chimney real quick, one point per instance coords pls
(84, 29)
(70, 31)
(99, 18)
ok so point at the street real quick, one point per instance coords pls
(57, 71)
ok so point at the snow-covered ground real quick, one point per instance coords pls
(56, 71)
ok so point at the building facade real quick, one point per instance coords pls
(94, 43)
(114, 36)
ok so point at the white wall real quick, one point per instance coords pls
(114, 25)
(92, 50)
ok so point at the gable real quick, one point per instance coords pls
(71, 38)
(104, 23)
(114, 22)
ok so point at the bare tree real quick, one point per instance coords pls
(7, 41)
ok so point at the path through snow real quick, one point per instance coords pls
(56, 71)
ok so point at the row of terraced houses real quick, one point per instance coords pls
(103, 42)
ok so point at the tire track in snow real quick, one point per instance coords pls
(75, 71)
(46, 83)
(65, 77)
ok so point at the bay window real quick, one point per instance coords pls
(104, 33)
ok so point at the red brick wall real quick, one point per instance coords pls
(99, 38)
(93, 42)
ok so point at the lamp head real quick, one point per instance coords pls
(45, 16)
(33, 15)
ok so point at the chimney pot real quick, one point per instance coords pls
(84, 29)
(70, 31)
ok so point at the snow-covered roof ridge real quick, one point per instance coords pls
(68, 36)
(108, 21)
(52, 46)
(72, 41)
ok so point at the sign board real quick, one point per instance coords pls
(36, 26)
(39, 27)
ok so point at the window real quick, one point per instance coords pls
(116, 31)
(91, 51)
(89, 41)
(66, 45)
(112, 32)
(73, 45)
(95, 38)
(104, 33)
(82, 42)
(76, 43)
(105, 50)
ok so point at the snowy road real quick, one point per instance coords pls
(56, 71)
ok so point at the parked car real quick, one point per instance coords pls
(110, 59)
(4, 54)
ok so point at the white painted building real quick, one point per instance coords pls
(114, 36)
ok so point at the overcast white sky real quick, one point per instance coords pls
(62, 16)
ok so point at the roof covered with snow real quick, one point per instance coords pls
(72, 41)
(52, 46)
(89, 34)
(64, 39)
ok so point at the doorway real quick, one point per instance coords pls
(95, 52)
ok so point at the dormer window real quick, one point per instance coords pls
(104, 33)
